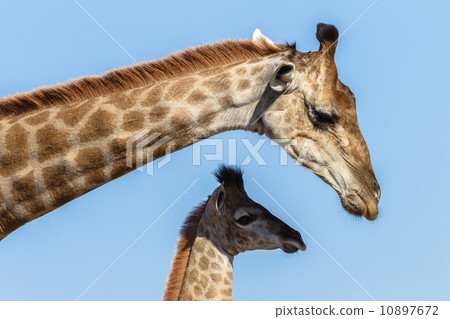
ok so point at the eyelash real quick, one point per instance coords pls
(320, 117)
(323, 117)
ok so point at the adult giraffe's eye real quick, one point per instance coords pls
(320, 117)
(245, 220)
(324, 117)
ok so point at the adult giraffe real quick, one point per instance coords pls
(58, 143)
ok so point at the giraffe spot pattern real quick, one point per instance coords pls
(51, 142)
(215, 266)
(218, 83)
(192, 276)
(154, 96)
(89, 159)
(100, 124)
(120, 168)
(204, 263)
(256, 69)
(197, 290)
(243, 85)
(118, 146)
(37, 119)
(206, 115)
(58, 183)
(226, 101)
(133, 121)
(25, 193)
(215, 277)
(158, 113)
(204, 281)
(122, 100)
(91, 164)
(183, 141)
(158, 153)
(6, 218)
(211, 253)
(241, 70)
(180, 88)
(227, 292)
(16, 139)
(196, 97)
(211, 293)
(73, 114)
(15, 156)
(95, 177)
(187, 296)
(180, 120)
(200, 246)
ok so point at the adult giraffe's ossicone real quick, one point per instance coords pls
(60, 142)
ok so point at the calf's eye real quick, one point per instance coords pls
(245, 220)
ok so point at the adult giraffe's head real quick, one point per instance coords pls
(312, 114)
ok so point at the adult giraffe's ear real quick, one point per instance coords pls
(283, 77)
(328, 35)
(259, 38)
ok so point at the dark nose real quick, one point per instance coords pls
(293, 234)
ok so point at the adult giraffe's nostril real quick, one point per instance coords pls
(376, 191)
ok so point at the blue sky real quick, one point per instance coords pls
(395, 60)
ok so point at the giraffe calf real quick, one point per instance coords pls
(227, 224)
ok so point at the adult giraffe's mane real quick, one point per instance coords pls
(187, 237)
(178, 64)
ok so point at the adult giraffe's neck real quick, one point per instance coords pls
(205, 272)
(53, 155)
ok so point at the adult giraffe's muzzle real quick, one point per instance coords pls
(360, 204)
(359, 192)
(361, 196)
